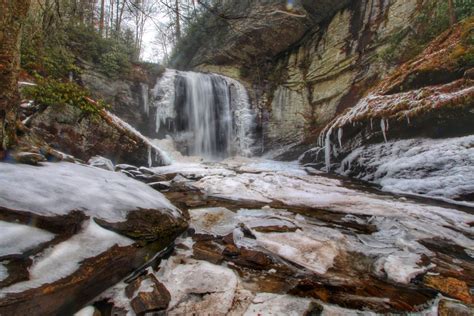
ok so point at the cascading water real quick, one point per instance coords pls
(207, 114)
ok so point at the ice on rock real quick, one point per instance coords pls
(193, 170)
(316, 253)
(325, 193)
(198, 286)
(401, 266)
(3, 272)
(277, 304)
(65, 258)
(217, 221)
(58, 188)
(18, 238)
(441, 168)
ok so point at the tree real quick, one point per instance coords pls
(452, 13)
(102, 17)
(12, 16)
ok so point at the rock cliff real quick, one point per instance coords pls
(320, 59)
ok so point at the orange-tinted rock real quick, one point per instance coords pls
(449, 286)
(208, 251)
(151, 301)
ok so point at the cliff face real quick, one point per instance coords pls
(323, 58)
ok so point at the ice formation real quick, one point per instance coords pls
(438, 168)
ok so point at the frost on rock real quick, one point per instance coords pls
(64, 259)
(58, 188)
(442, 168)
(277, 304)
(18, 238)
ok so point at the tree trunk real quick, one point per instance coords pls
(12, 16)
(178, 22)
(452, 13)
(102, 17)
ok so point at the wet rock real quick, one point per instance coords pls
(29, 158)
(453, 308)
(146, 171)
(148, 226)
(208, 251)
(253, 259)
(125, 167)
(452, 287)
(147, 294)
(469, 74)
(101, 162)
(161, 185)
(56, 155)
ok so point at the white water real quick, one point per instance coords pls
(206, 114)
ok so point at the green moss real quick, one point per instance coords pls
(431, 21)
(50, 92)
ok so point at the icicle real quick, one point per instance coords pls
(339, 136)
(371, 124)
(149, 157)
(387, 126)
(408, 119)
(327, 150)
(382, 126)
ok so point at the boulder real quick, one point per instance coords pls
(67, 129)
(148, 295)
(95, 228)
(101, 162)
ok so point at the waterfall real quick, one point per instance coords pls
(207, 114)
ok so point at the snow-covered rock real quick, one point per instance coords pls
(101, 162)
(72, 230)
(58, 188)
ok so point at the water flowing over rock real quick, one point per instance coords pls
(207, 115)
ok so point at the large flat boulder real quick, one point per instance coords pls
(70, 231)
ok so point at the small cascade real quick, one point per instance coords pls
(206, 114)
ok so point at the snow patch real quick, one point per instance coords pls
(18, 238)
(64, 259)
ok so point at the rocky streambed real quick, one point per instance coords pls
(264, 238)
